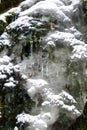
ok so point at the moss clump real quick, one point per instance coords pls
(10, 17)
(2, 26)
(85, 6)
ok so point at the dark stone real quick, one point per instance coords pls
(81, 121)
(59, 126)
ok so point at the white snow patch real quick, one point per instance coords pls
(4, 39)
(0, 115)
(9, 84)
(35, 121)
(68, 96)
(3, 76)
(35, 85)
(16, 128)
(5, 60)
(51, 43)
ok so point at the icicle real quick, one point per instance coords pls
(42, 69)
(31, 48)
(57, 74)
(47, 69)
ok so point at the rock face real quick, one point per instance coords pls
(81, 121)
(47, 40)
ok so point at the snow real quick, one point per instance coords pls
(51, 43)
(42, 120)
(79, 51)
(36, 121)
(71, 108)
(4, 39)
(68, 96)
(40, 6)
(27, 3)
(24, 77)
(16, 128)
(3, 76)
(7, 69)
(46, 7)
(9, 84)
(21, 22)
(13, 10)
(35, 85)
(60, 36)
(16, 68)
(0, 115)
(59, 101)
(55, 8)
(79, 47)
(37, 82)
(4, 60)
(52, 103)
(45, 103)
(4, 63)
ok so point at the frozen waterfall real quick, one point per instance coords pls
(52, 61)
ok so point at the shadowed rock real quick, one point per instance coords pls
(81, 121)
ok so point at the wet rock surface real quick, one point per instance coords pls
(81, 121)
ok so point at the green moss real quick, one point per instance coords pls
(10, 17)
(82, 128)
(85, 9)
(2, 26)
(32, 34)
(85, 6)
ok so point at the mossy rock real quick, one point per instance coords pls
(2, 26)
(85, 9)
(85, 6)
(30, 35)
(81, 121)
(10, 17)
(76, 80)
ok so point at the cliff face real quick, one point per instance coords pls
(43, 65)
(81, 121)
(79, 124)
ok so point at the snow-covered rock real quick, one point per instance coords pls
(47, 40)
